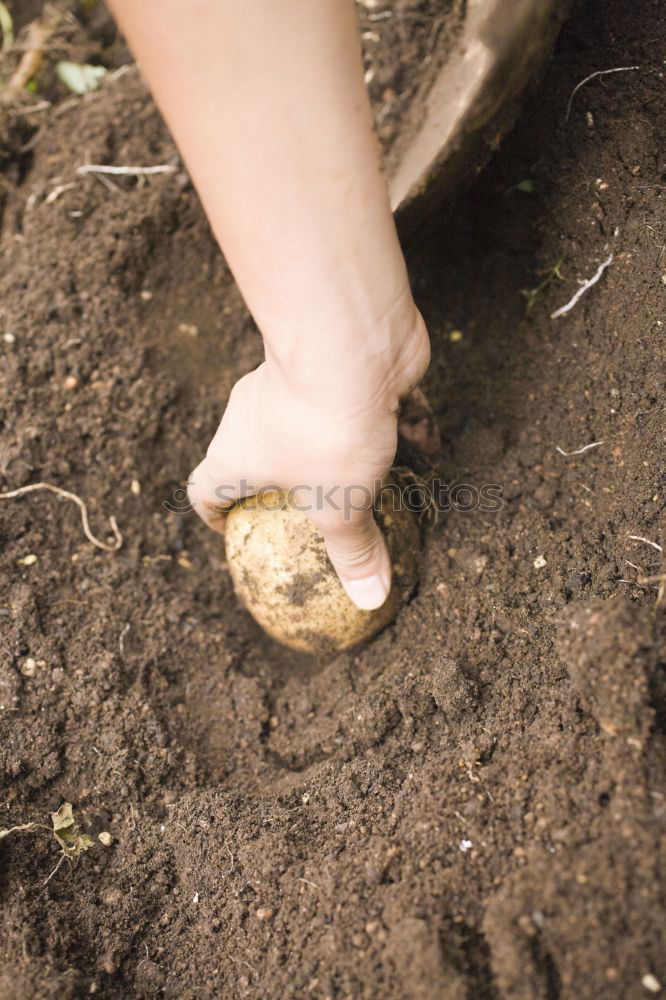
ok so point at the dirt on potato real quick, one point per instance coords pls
(472, 806)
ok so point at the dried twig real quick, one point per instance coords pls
(101, 168)
(23, 490)
(57, 191)
(584, 288)
(306, 881)
(105, 182)
(116, 74)
(578, 451)
(599, 72)
(31, 109)
(37, 35)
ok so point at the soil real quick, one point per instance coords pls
(471, 806)
(404, 44)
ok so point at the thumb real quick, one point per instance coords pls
(360, 558)
(212, 494)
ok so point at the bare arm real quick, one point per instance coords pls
(266, 101)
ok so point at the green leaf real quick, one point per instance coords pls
(7, 28)
(63, 818)
(68, 833)
(80, 78)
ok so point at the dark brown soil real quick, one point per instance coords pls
(470, 807)
(404, 44)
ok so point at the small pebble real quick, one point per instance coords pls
(146, 295)
(70, 383)
(27, 560)
(651, 983)
(264, 913)
(540, 562)
(28, 667)
(189, 328)
(465, 846)
(456, 336)
(105, 838)
(9, 338)
(135, 487)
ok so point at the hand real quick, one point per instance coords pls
(331, 442)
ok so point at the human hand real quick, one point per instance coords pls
(330, 437)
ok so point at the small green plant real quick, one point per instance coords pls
(67, 831)
(80, 78)
(65, 827)
(549, 276)
(526, 186)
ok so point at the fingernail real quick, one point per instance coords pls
(367, 594)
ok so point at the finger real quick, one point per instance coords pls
(212, 495)
(360, 558)
(417, 424)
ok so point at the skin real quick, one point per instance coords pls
(267, 103)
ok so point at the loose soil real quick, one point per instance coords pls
(469, 807)
(404, 44)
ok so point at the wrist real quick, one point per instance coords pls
(356, 361)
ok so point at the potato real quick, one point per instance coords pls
(283, 576)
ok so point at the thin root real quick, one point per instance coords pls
(21, 828)
(118, 538)
(46, 881)
(578, 451)
(430, 511)
(639, 538)
(584, 288)
(101, 168)
(599, 72)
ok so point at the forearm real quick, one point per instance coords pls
(267, 102)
